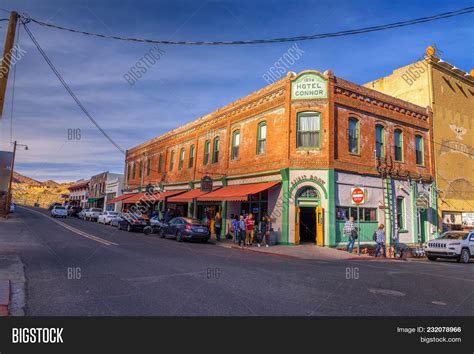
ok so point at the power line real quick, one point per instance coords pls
(266, 41)
(68, 89)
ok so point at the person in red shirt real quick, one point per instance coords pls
(249, 222)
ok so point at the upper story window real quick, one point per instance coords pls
(191, 156)
(128, 172)
(419, 150)
(353, 136)
(207, 147)
(160, 163)
(308, 129)
(181, 159)
(134, 170)
(235, 144)
(261, 138)
(215, 151)
(379, 141)
(140, 169)
(148, 166)
(171, 160)
(398, 142)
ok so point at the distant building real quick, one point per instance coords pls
(449, 91)
(296, 150)
(113, 189)
(97, 189)
(79, 192)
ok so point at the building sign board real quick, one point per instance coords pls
(422, 200)
(206, 184)
(309, 86)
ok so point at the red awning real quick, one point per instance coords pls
(187, 196)
(145, 197)
(239, 192)
(120, 198)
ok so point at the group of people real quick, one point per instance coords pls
(242, 229)
(352, 233)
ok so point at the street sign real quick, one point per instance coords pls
(422, 200)
(206, 184)
(358, 195)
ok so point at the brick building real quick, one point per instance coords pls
(294, 150)
(79, 193)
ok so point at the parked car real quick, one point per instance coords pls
(51, 206)
(116, 220)
(182, 229)
(92, 214)
(82, 214)
(12, 207)
(59, 211)
(457, 245)
(74, 210)
(131, 222)
(106, 217)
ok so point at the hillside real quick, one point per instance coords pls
(28, 191)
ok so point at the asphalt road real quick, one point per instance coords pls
(75, 267)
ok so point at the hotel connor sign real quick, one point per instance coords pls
(309, 86)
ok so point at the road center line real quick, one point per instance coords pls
(73, 229)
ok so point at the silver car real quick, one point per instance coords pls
(457, 245)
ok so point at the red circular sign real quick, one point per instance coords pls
(357, 195)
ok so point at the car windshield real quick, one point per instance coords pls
(113, 213)
(96, 209)
(454, 236)
(58, 207)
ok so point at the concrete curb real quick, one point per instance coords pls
(4, 297)
(12, 286)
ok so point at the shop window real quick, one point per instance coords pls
(160, 163)
(398, 141)
(181, 159)
(401, 212)
(353, 136)
(342, 213)
(215, 151)
(171, 160)
(419, 150)
(235, 144)
(379, 141)
(148, 166)
(308, 129)
(261, 138)
(365, 214)
(191, 156)
(207, 146)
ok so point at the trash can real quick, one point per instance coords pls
(273, 238)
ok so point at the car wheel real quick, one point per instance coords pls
(129, 228)
(431, 258)
(465, 255)
(179, 237)
(161, 233)
(147, 230)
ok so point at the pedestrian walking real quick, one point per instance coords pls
(241, 230)
(379, 236)
(264, 231)
(218, 226)
(249, 223)
(350, 231)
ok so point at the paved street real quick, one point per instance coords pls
(120, 273)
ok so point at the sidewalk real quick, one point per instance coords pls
(304, 251)
(12, 272)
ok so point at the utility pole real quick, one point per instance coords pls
(9, 194)
(6, 60)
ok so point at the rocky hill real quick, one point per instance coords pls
(28, 191)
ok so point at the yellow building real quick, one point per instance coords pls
(449, 91)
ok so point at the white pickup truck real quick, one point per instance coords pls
(457, 245)
(92, 214)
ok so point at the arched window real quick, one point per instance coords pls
(379, 141)
(191, 156)
(171, 160)
(308, 129)
(261, 138)
(235, 144)
(398, 141)
(215, 151)
(207, 146)
(419, 150)
(353, 137)
(307, 192)
(181, 159)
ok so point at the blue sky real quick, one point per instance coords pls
(188, 82)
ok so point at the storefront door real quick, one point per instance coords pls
(309, 225)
